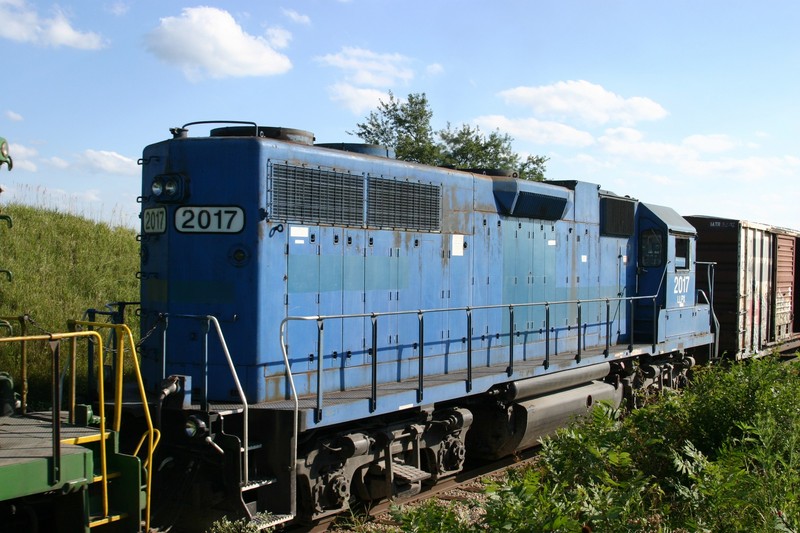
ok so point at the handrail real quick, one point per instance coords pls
(124, 332)
(55, 338)
(714, 319)
(23, 321)
(296, 419)
(239, 389)
(469, 310)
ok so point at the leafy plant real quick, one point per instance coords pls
(723, 455)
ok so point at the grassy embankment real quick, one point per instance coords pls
(62, 265)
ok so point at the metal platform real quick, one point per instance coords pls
(26, 455)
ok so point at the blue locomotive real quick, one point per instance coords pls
(325, 324)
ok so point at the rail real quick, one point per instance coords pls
(152, 435)
(122, 333)
(711, 270)
(54, 340)
(240, 391)
(468, 310)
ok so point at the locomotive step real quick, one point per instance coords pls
(264, 522)
(110, 475)
(256, 483)
(97, 521)
(252, 446)
(408, 473)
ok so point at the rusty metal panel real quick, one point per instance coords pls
(743, 253)
(785, 256)
(717, 241)
(755, 287)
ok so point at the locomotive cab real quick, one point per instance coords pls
(667, 305)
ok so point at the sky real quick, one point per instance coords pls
(687, 103)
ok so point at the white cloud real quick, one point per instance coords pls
(95, 161)
(358, 100)
(434, 69)
(208, 42)
(118, 8)
(751, 170)
(106, 162)
(371, 69)
(12, 115)
(630, 143)
(585, 101)
(537, 131)
(278, 37)
(23, 156)
(294, 16)
(710, 143)
(23, 23)
(57, 162)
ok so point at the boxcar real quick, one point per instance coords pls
(756, 283)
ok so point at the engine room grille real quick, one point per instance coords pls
(395, 204)
(616, 217)
(315, 196)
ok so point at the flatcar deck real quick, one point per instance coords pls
(26, 446)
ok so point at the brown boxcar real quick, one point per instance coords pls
(756, 282)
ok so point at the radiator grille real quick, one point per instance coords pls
(315, 196)
(395, 204)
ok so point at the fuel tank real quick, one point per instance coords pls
(501, 430)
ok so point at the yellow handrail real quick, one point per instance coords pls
(100, 391)
(123, 332)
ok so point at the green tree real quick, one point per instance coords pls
(406, 127)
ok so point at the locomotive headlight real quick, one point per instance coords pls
(4, 149)
(171, 188)
(194, 426)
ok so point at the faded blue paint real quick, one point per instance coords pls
(482, 256)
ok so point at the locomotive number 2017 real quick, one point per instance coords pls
(680, 288)
(154, 220)
(209, 219)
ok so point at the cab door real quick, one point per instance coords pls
(651, 265)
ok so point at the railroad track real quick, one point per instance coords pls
(467, 482)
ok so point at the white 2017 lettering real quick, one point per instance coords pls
(681, 284)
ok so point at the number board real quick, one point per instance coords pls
(154, 220)
(209, 219)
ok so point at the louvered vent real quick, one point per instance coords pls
(314, 196)
(395, 204)
(616, 217)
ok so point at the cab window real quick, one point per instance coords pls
(681, 253)
(651, 248)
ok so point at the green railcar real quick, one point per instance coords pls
(5, 157)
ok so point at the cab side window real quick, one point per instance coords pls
(651, 248)
(682, 253)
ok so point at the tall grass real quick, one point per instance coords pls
(61, 265)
